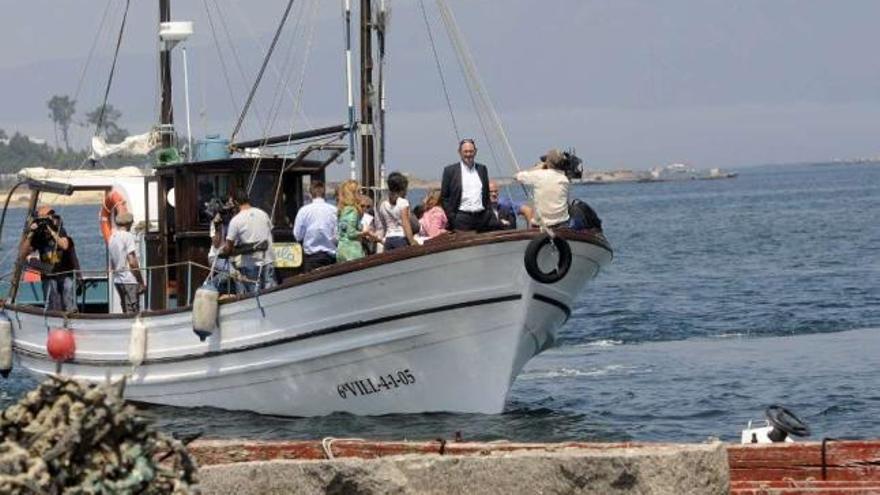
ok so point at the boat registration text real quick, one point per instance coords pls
(373, 385)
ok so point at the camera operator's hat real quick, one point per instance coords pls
(553, 157)
(124, 219)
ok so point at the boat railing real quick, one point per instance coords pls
(83, 279)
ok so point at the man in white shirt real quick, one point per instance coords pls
(464, 191)
(315, 229)
(551, 189)
(124, 263)
(250, 234)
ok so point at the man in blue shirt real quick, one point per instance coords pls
(315, 229)
(505, 210)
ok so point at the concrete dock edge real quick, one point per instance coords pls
(642, 469)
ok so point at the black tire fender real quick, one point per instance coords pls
(531, 259)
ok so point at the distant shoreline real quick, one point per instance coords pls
(616, 176)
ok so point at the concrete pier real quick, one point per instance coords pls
(462, 468)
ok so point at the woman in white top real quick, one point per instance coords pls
(393, 214)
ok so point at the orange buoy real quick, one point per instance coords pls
(114, 204)
(61, 345)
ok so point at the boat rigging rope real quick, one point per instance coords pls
(256, 39)
(309, 35)
(439, 70)
(285, 74)
(297, 105)
(91, 54)
(112, 69)
(220, 55)
(472, 78)
(234, 51)
(480, 98)
(253, 92)
(478, 110)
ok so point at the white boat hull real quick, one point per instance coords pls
(447, 331)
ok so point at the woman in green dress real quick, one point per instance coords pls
(348, 226)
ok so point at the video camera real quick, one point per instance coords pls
(225, 209)
(571, 164)
(42, 228)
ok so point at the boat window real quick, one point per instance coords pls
(211, 188)
(263, 191)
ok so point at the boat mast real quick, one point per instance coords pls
(349, 91)
(380, 34)
(167, 116)
(368, 165)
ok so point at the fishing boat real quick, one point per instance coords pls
(444, 326)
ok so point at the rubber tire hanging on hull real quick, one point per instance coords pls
(531, 259)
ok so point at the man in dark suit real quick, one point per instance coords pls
(464, 191)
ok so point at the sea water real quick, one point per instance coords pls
(724, 297)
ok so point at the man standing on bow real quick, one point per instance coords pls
(464, 191)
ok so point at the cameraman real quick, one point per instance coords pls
(221, 213)
(551, 188)
(57, 253)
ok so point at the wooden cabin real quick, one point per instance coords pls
(184, 190)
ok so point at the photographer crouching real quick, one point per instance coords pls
(57, 263)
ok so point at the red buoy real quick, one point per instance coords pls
(60, 344)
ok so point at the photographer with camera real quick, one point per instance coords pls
(550, 180)
(221, 214)
(57, 263)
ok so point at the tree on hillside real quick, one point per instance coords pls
(62, 109)
(22, 152)
(106, 123)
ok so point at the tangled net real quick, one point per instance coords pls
(66, 437)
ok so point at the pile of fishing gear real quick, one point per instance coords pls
(67, 437)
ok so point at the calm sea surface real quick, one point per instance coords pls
(724, 297)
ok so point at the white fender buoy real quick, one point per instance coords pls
(137, 344)
(204, 311)
(5, 346)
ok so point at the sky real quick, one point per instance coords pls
(628, 84)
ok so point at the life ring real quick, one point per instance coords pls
(114, 204)
(531, 259)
